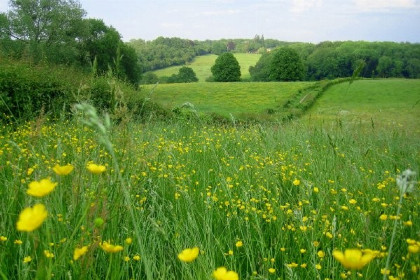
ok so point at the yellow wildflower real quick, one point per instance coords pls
(95, 169)
(272, 270)
(128, 240)
(223, 274)
(352, 201)
(408, 223)
(383, 217)
(18, 242)
(63, 170)
(48, 254)
(136, 258)
(41, 188)
(353, 258)
(321, 254)
(414, 249)
(296, 182)
(78, 252)
(109, 248)
(189, 254)
(239, 244)
(3, 238)
(292, 265)
(27, 259)
(31, 218)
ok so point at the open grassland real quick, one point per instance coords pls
(202, 65)
(393, 102)
(225, 98)
(268, 202)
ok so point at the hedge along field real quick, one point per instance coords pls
(202, 65)
(390, 102)
(224, 98)
(264, 201)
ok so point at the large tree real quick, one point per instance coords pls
(50, 28)
(286, 65)
(226, 68)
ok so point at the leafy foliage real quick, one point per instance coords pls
(163, 52)
(185, 75)
(55, 31)
(261, 71)
(27, 91)
(286, 65)
(226, 68)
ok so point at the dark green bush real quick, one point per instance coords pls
(26, 91)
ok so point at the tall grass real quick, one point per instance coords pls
(286, 192)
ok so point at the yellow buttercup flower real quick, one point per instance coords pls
(27, 259)
(239, 244)
(189, 254)
(414, 249)
(223, 274)
(353, 258)
(78, 252)
(109, 248)
(31, 218)
(41, 188)
(95, 168)
(48, 254)
(63, 170)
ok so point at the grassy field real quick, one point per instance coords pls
(394, 102)
(202, 64)
(225, 98)
(265, 201)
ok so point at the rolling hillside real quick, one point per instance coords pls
(202, 64)
(391, 101)
(388, 101)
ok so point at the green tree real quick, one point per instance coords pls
(286, 65)
(261, 71)
(50, 28)
(103, 44)
(186, 75)
(226, 68)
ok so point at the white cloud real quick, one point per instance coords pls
(303, 5)
(380, 5)
(221, 12)
(170, 25)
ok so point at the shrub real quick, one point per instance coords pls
(226, 68)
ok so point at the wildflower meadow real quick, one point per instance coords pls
(84, 199)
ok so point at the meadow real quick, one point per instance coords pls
(394, 102)
(224, 98)
(202, 65)
(84, 198)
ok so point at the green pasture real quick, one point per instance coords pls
(224, 98)
(202, 65)
(386, 101)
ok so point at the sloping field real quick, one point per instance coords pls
(225, 98)
(202, 64)
(389, 101)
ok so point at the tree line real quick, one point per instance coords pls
(57, 31)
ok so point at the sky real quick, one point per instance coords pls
(287, 20)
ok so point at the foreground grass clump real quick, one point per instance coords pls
(258, 202)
